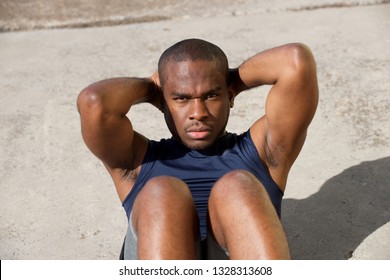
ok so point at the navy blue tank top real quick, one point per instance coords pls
(200, 169)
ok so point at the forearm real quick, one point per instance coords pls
(270, 66)
(117, 95)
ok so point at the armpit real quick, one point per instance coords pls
(129, 174)
(273, 155)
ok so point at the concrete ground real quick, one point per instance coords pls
(58, 202)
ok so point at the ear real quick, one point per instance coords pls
(232, 95)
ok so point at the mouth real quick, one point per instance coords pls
(198, 133)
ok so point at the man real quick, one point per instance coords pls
(204, 193)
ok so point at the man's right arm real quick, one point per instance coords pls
(105, 128)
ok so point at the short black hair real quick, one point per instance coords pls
(192, 50)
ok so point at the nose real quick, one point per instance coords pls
(198, 110)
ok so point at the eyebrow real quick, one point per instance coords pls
(189, 95)
(180, 94)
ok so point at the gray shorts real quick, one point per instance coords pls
(207, 249)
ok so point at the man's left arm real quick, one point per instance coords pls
(290, 106)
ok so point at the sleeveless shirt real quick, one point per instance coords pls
(200, 169)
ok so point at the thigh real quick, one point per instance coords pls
(161, 198)
(164, 220)
(244, 220)
(129, 249)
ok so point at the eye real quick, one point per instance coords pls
(180, 99)
(211, 96)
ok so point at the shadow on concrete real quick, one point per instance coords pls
(333, 222)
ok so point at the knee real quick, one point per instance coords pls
(162, 204)
(236, 181)
(163, 196)
(236, 186)
(163, 188)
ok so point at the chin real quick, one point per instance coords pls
(198, 145)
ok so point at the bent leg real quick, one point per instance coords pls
(243, 219)
(165, 220)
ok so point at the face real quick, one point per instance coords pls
(197, 102)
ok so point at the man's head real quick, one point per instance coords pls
(193, 75)
(191, 50)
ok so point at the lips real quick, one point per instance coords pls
(198, 133)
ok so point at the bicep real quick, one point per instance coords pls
(292, 102)
(110, 137)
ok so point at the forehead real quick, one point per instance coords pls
(193, 73)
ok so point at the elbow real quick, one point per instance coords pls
(89, 99)
(305, 70)
(93, 108)
(302, 58)
(302, 66)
